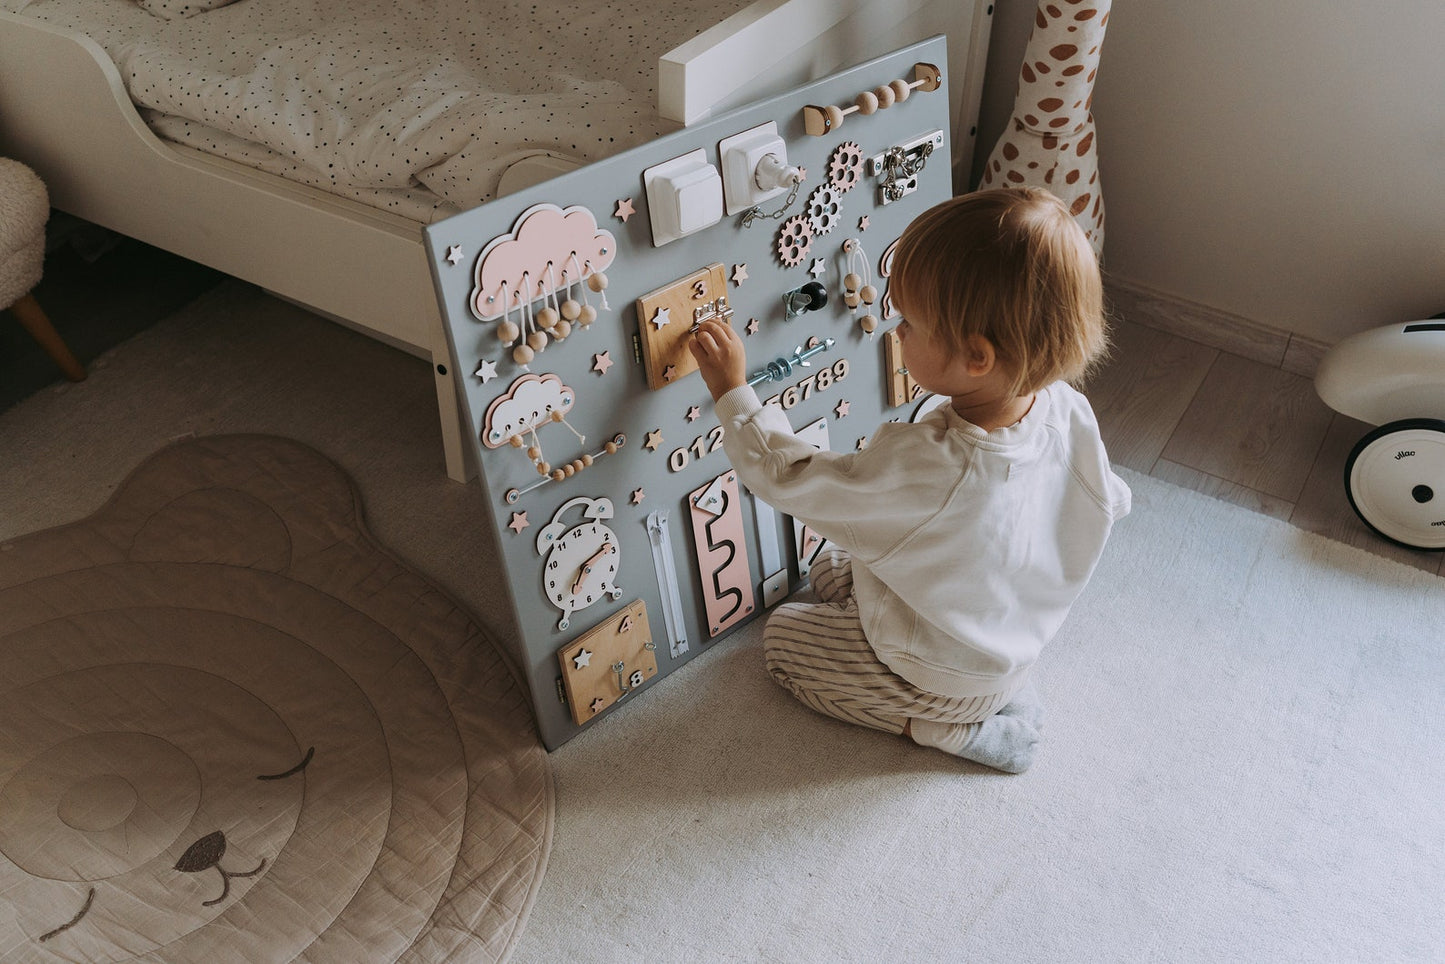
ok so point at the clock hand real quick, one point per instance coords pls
(586, 569)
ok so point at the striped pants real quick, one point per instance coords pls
(818, 652)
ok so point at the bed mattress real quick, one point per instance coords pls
(415, 108)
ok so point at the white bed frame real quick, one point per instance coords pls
(64, 111)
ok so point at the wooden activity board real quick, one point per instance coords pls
(627, 544)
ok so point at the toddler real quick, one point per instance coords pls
(963, 538)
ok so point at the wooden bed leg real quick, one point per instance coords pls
(32, 316)
(461, 463)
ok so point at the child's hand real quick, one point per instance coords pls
(721, 357)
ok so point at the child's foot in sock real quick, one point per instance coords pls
(1005, 743)
(1027, 706)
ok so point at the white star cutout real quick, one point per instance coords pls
(486, 370)
(582, 659)
(819, 268)
(660, 318)
(454, 253)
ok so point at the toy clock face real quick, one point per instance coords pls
(581, 568)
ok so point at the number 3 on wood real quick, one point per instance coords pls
(702, 445)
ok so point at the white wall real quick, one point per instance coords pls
(1280, 160)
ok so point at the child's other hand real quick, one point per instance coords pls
(721, 357)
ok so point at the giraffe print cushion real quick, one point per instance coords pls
(235, 729)
(416, 108)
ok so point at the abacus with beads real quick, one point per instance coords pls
(818, 121)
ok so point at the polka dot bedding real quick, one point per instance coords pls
(415, 108)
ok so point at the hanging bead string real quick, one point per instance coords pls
(588, 314)
(859, 289)
(597, 281)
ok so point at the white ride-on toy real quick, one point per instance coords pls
(1394, 377)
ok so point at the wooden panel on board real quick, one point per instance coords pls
(665, 317)
(606, 663)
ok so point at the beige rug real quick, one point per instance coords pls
(235, 728)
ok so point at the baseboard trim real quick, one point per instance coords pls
(1228, 332)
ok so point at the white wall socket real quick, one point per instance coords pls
(741, 154)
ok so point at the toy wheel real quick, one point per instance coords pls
(1395, 480)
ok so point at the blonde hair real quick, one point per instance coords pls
(1013, 266)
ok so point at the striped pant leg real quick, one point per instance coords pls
(832, 576)
(818, 652)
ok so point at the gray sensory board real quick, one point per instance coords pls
(651, 489)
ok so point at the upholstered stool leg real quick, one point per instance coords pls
(28, 310)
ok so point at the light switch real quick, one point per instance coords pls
(684, 195)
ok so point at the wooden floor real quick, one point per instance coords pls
(1235, 429)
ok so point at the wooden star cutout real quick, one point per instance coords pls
(583, 659)
(598, 704)
(519, 522)
(752, 326)
(602, 362)
(654, 439)
(638, 495)
(624, 210)
(669, 373)
(863, 223)
(740, 274)
(842, 408)
(819, 268)
(454, 254)
(661, 317)
(486, 370)
(694, 413)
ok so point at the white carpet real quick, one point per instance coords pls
(1242, 758)
(1242, 762)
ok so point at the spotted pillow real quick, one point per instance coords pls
(177, 9)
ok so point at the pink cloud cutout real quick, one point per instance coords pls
(540, 248)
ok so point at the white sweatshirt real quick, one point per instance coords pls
(968, 546)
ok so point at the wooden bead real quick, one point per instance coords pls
(867, 102)
(547, 317)
(515, 441)
(507, 332)
(563, 329)
(587, 316)
(568, 470)
(834, 116)
(586, 461)
(852, 280)
(851, 299)
(610, 448)
(578, 465)
(868, 323)
(868, 293)
(900, 89)
(543, 468)
(558, 475)
(534, 452)
(523, 355)
(556, 416)
(537, 340)
(598, 281)
(884, 95)
(571, 309)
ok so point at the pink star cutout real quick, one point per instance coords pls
(654, 439)
(842, 408)
(669, 373)
(519, 522)
(802, 174)
(637, 496)
(624, 210)
(694, 413)
(602, 362)
(740, 274)
(862, 444)
(752, 326)
(863, 223)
